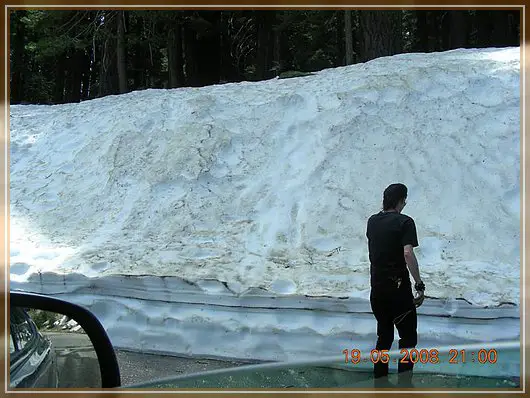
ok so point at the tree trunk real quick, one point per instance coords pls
(357, 39)
(85, 87)
(94, 76)
(210, 41)
(180, 55)
(68, 77)
(277, 61)
(108, 67)
(227, 70)
(102, 89)
(139, 77)
(265, 45)
(174, 56)
(190, 49)
(58, 92)
(434, 18)
(381, 33)
(422, 31)
(459, 32)
(85, 79)
(137, 54)
(172, 63)
(18, 66)
(121, 54)
(445, 26)
(454, 25)
(76, 70)
(279, 34)
(514, 18)
(501, 24)
(107, 78)
(484, 28)
(349, 37)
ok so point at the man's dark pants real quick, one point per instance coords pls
(391, 306)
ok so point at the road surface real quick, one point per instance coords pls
(78, 366)
(77, 363)
(137, 367)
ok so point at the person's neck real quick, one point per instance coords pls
(391, 211)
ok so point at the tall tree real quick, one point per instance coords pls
(18, 67)
(381, 33)
(208, 54)
(434, 18)
(72, 55)
(514, 20)
(459, 21)
(422, 31)
(60, 70)
(86, 75)
(75, 62)
(265, 21)
(108, 79)
(227, 71)
(503, 22)
(175, 57)
(349, 36)
(138, 49)
(454, 29)
(191, 51)
(121, 55)
(484, 28)
(280, 29)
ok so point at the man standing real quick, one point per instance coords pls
(391, 241)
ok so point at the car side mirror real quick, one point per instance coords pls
(57, 344)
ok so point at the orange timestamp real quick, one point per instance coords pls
(413, 355)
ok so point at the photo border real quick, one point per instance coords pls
(240, 4)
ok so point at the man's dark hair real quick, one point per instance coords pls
(393, 194)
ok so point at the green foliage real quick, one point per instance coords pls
(38, 88)
(32, 18)
(409, 30)
(313, 40)
(319, 60)
(54, 32)
(43, 319)
(47, 46)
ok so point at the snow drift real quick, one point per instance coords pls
(270, 184)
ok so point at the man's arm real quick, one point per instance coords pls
(412, 263)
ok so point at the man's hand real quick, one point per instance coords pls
(419, 286)
(418, 300)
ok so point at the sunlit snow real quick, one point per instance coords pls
(270, 184)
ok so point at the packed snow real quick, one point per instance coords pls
(269, 184)
(170, 315)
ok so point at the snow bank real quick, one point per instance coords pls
(270, 184)
(208, 320)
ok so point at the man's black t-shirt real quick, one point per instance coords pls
(388, 233)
